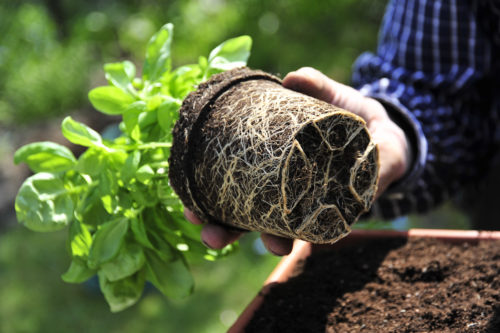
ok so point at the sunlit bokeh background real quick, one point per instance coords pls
(51, 54)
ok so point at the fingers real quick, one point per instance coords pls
(212, 235)
(192, 217)
(312, 82)
(217, 237)
(394, 153)
(277, 245)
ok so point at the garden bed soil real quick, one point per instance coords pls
(388, 285)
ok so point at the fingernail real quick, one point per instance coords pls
(272, 251)
(206, 244)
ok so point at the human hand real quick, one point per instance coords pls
(394, 153)
(391, 140)
(216, 236)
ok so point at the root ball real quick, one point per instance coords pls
(254, 155)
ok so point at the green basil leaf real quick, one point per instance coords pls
(78, 272)
(140, 234)
(168, 114)
(184, 80)
(80, 240)
(202, 62)
(90, 210)
(107, 242)
(172, 278)
(231, 54)
(158, 53)
(154, 102)
(123, 293)
(188, 229)
(116, 159)
(161, 246)
(197, 252)
(131, 119)
(45, 156)
(109, 203)
(131, 165)
(92, 162)
(145, 173)
(147, 118)
(175, 221)
(79, 133)
(43, 203)
(129, 260)
(166, 195)
(108, 180)
(121, 75)
(110, 100)
(126, 204)
(142, 195)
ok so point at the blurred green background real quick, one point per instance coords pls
(51, 55)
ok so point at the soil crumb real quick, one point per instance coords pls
(424, 285)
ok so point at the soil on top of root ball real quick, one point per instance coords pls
(423, 285)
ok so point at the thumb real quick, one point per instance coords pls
(309, 81)
(312, 82)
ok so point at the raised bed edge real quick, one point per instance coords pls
(302, 250)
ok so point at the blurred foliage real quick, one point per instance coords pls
(35, 299)
(41, 76)
(52, 51)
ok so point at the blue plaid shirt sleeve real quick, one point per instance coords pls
(434, 71)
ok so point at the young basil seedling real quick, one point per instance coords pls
(124, 221)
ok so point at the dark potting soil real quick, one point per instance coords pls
(423, 285)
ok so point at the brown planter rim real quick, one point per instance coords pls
(302, 250)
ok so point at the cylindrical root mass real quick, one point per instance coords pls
(251, 154)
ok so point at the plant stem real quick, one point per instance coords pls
(154, 145)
